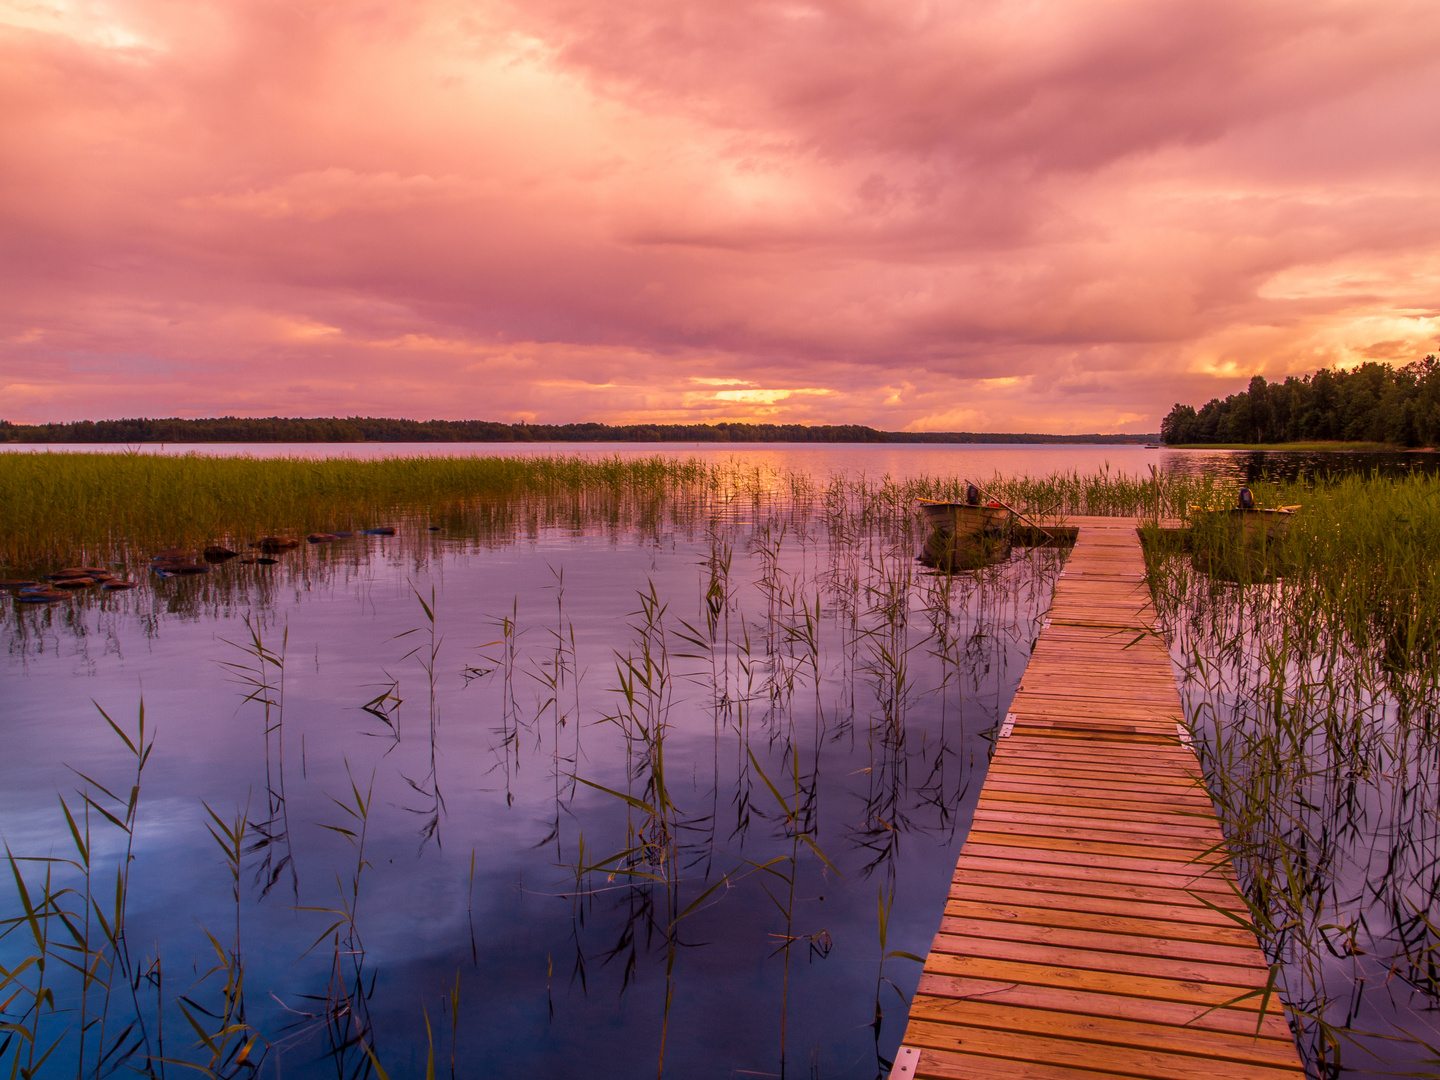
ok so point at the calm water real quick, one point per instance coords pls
(816, 709)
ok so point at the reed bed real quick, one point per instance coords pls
(98, 507)
(1312, 682)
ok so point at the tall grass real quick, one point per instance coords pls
(74, 507)
(102, 508)
(1312, 678)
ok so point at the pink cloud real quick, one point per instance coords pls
(1003, 215)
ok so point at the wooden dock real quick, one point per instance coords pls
(1077, 942)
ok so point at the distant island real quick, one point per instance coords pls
(1373, 403)
(350, 429)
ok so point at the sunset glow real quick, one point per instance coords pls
(1007, 215)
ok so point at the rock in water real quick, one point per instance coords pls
(178, 567)
(275, 543)
(41, 596)
(215, 553)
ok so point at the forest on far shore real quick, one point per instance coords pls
(284, 429)
(1371, 403)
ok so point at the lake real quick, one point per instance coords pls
(590, 790)
(977, 461)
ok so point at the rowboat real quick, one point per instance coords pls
(1256, 524)
(1247, 522)
(961, 520)
(966, 535)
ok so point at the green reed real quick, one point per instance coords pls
(74, 507)
(76, 923)
(103, 508)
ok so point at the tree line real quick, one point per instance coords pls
(1371, 403)
(380, 429)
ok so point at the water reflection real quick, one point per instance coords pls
(560, 788)
(1251, 466)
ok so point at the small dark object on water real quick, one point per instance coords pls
(178, 567)
(434, 528)
(7, 583)
(258, 562)
(275, 543)
(384, 530)
(216, 553)
(41, 596)
(79, 577)
(322, 538)
(116, 585)
(173, 562)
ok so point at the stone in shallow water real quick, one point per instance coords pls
(116, 585)
(275, 543)
(216, 553)
(384, 530)
(179, 567)
(258, 562)
(74, 582)
(322, 538)
(17, 583)
(41, 596)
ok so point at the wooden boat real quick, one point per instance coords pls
(960, 520)
(1257, 524)
(1252, 524)
(966, 535)
(1242, 543)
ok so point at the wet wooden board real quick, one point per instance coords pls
(1093, 929)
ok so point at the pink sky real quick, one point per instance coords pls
(974, 215)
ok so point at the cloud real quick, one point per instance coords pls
(1003, 214)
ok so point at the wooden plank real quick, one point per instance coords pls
(1153, 1030)
(1213, 883)
(1058, 916)
(1119, 1058)
(1109, 941)
(1203, 995)
(1055, 893)
(1181, 969)
(1087, 934)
